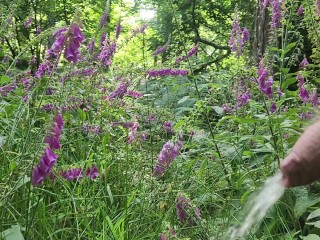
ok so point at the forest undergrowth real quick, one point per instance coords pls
(114, 126)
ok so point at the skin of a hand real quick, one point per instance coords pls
(302, 165)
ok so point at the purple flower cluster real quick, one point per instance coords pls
(43, 69)
(168, 127)
(190, 53)
(48, 107)
(300, 10)
(265, 82)
(78, 173)
(273, 107)
(184, 208)
(71, 52)
(277, 13)
(168, 153)
(119, 92)
(304, 64)
(28, 22)
(226, 108)
(138, 30)
(103, 19)
(123, 124)
(133, 133)
(6, 89)
(94, 129)
(48, 159)
(134, 94)
(303, 92)
(243, 99)
(306, 116)
(162, 49)
(73, 103)
(108, 49)
(167, 72)
(238, 36)
(318, 7)
(118, 29)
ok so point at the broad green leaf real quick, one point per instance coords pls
(314, 214)
(311, 237)
(13, 233)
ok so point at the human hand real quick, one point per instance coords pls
(302, 165)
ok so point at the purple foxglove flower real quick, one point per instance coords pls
(72, 173)
(243, 99)
(118, 30)
(43, 69)
(133, 133)
(28, 22)
(134, 94)
(246, 34)
(151, 118)
(161, 49)
(57, 46)
(168, 127)
(103, 19)
(167, 72)
(304, 63)
(158, 170)
(92, 172)
(71, 52)
(38, 30)
(53, 141)
(58, 119)
(315, 99)
(300, 10)
(48, 107)
(37, 176)
(318, 7)
(172, 232)
(163, 237)
(273, 107)
(306, 116)
(226, 108)
(47, 161)
(49, 91)
(304, 94)
(91, 46)
(280, 93)
(277, 13)
(77, 35)
(300, 79)
(119, 92)
(183, 205)
(265, 3)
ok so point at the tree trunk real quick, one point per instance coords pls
(262, 28)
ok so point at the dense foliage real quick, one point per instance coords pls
(153, 119)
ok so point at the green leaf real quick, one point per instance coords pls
(304, 201)
(22, 181)
(288, 49)
(12, 233)
(4, 79)
(314, 214)
(311, 237)
(82, 114)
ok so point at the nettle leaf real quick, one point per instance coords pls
(304, 201)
